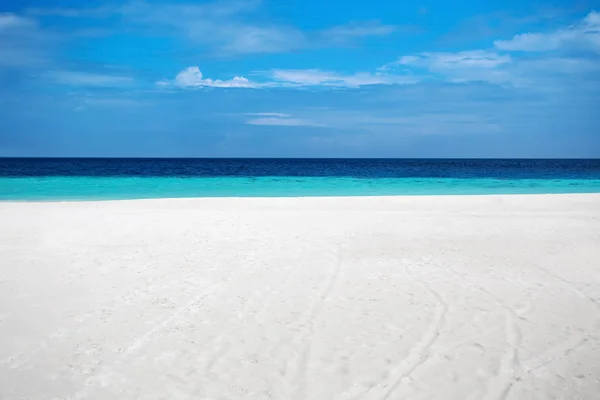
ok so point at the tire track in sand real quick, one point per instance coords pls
(300, 391)
(500, 387)
(418, 355)
(421, 352)
(104, 374)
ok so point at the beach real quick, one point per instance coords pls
(415, 297)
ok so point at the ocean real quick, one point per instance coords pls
(60, 179)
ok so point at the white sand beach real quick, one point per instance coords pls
(458, 297)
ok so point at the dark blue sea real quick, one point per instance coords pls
(103, 179)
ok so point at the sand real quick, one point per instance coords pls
(465, 297)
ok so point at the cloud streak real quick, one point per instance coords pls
(450, 61)
(22, 43)
(356, 30)
(317, 77)
(233, 28)
(268, 114)
(13, 21)
(272, 121)
(503, 64)
(236, 28)
(77, 78)
(463, 66)
(583, 35)
(225, 27)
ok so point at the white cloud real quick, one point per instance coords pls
(224, 27)
(22, 42)
(460, 60)
(234, 27)
(502, 66)
(355, 30)
(254, 39)
(585, 34)
(483, 65)
(12, 21)
(192, 77)
(282, 122)
(463, 66)
(77, 78)
(268, 114)
(317, 77)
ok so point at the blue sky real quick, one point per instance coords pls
(300, 78)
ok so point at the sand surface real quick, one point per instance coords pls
(476, 297)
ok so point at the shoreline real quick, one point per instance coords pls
(342, 197)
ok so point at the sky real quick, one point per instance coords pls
(311, 78)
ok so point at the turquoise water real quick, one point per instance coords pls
(104, 179)
(105, 188)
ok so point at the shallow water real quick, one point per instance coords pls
(103, 179)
